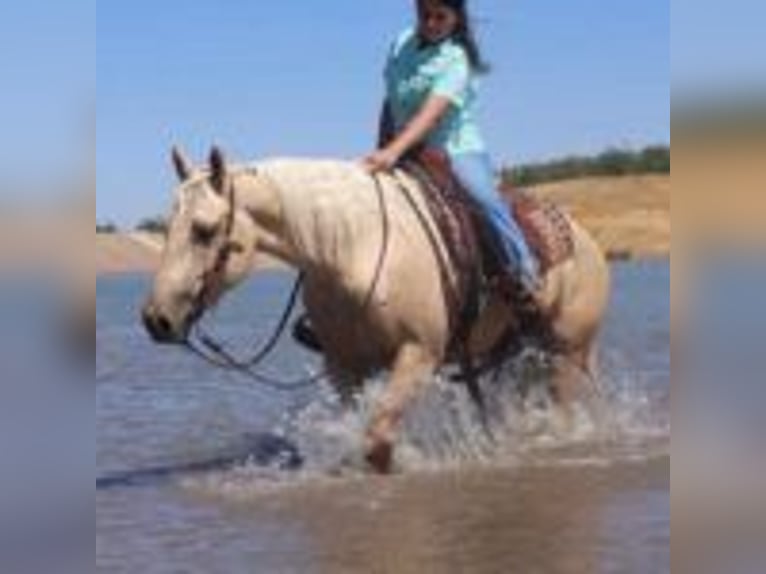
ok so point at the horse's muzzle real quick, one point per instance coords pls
(159, 327)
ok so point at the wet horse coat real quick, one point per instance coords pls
(331, 220)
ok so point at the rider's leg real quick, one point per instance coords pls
(475, 173)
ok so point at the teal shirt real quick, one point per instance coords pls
(412, 74)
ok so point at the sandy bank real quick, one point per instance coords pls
(628, 216)
(127, 252)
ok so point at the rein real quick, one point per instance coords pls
(215, 353)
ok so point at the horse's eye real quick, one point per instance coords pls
(202, 234)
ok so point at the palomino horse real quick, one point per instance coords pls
(330, 219)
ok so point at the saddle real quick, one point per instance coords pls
(473, 246)
(545, 226)
(474, 255)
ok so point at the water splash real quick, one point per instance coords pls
(443, 429)
(626, 421)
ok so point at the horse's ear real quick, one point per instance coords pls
(217, 169)
(183, 168)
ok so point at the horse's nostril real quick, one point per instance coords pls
(164, 328)
(158, 326)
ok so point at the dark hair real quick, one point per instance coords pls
(465, 37)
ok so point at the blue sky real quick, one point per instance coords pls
(304, 78)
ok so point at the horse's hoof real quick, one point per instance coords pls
(380, 458)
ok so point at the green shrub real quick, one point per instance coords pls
(106, 228)
(152, 225)
(612, 162)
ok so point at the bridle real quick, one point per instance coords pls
(203, 345)
(213, 277)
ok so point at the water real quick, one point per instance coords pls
(193, 476)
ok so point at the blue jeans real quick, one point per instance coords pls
(476, 175)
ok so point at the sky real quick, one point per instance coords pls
(303, 78)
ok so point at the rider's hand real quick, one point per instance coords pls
(381, 160)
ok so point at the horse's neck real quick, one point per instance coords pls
(314, 209)
(260, 198)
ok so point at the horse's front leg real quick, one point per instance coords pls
(413, 368)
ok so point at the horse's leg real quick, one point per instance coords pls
(574, 374)
(412, 369)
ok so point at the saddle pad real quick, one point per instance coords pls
(545, 226)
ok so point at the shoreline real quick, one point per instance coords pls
(618, 257)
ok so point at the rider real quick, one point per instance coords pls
(431, 78)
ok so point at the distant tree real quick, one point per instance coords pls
(612, 162)
(106, 228)
(655, 159)
(152, 225)
(615, 162)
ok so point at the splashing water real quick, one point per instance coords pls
(442, 430)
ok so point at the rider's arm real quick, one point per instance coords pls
(425, 120)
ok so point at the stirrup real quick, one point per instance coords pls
(304, 334)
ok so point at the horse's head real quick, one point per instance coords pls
(209, 248)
